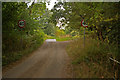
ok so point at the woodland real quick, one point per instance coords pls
(102, 34)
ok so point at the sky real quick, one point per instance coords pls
(52, 3)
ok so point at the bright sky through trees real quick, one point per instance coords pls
(51, 5)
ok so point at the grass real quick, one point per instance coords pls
(63, 39)
(93, 60)
(60, 38)
(11, 57)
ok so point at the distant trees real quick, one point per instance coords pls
(45, 23)
(102, 18)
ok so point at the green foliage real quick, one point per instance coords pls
(50, 29)
(74, 33)
(102, 19)
(59, 33)
(19, 42)
(63, 38)
(38, 10)
(46, 25)
(94, 58)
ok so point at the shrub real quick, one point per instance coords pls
(95, 55)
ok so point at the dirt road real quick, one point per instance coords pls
(49, 61)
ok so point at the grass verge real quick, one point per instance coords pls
(15, 56)
(61, 38)
(93, 60)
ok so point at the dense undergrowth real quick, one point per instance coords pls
(18, 42)
(14, 48)
(92, 61)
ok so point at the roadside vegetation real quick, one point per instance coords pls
(92, 60)
(63, 22)
(61, 35)
(18, 42)
(100, 57)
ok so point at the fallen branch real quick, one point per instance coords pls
(114, 60)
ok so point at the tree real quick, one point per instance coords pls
(16, 40)
(100, 17)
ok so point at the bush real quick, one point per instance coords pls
(16, 47)
(95, 55)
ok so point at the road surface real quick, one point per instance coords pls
(49, 61)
